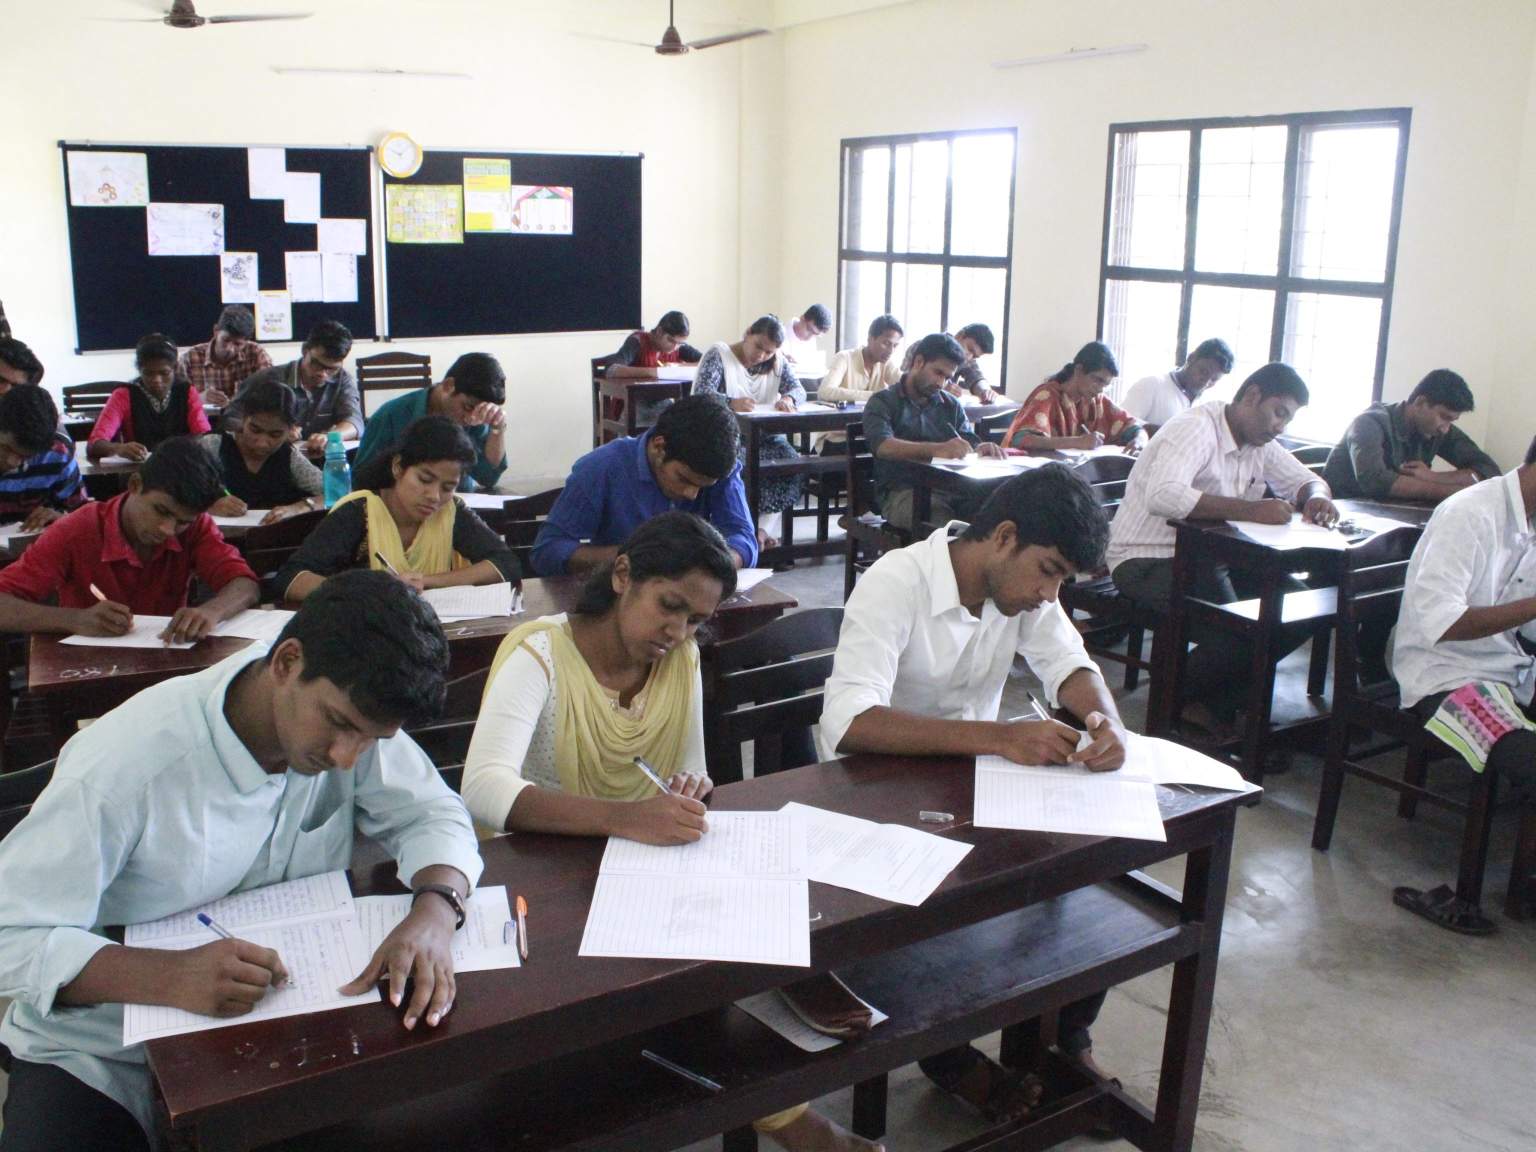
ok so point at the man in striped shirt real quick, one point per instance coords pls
(39, 479)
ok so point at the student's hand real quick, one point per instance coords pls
(1138, 444)
(489, 414)
(988, 449)
(742, 404)
(315, 444)
(694, 784)
(215, 397)
(1107, 751)
(987, 395)
(39, 518)
(132, 450)
(669, 819)
(104, 618)
(785, 404)
(957, 448)
(189, 625)
(415, 579)
(224, 978)
(283, 511)
(1270, 512)
(952, 386)
(420, 948)
(1415, 468)
(1038, 742)
(228, 505)
(1320, 510)
(1088, 442)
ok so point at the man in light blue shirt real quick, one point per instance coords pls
(687, 462)
(254, 771)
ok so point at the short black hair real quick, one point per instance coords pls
(673, 323)
(701, 432)
(17, 355)
(237, 320)
(769, 326)
(1276, 380)
(332, 337)
(31, 418)
(663, 548)
(424, 441)
(268, 397)
(479, 374)
(1442, 386)
(1217, 350)
(1093, 356)
(186, 473)
(153, 347)
(939, 346)
(1051, 506)
(378, 641)
(819, 315)
(981, 334)
(880, 325)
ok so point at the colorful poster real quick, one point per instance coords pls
(237, 277)
(424, 213)
(487, 195)
(185, 229)
(108, 179)
(543, 210)
(274, 316)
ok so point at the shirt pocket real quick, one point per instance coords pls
(324, 840)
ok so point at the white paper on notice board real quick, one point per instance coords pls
(340, 276)
(268, 172)
(305, 277)
(349, 236)
(301, 198)
(108, 179)
(274, 316)
(237, 277)
(185, 229)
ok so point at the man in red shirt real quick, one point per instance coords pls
(138, 552)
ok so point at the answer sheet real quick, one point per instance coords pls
(484, 499)
(891, 861)
(470, 601)
(749, 921)
(145, 633)
(264, 624)
(251, 518)
(738, 844)
(324, 896)
(1064, 799)
(486, 941)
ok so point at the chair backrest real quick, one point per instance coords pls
(759, 685)
(446, 739)
(1312, 455)
(18, 790)
(600, 364)
(993, 428)
(267, 547)
(390, 372)
(1370, 591)
(859, 472)
(89, 399)
(639, 400)
(523, 517)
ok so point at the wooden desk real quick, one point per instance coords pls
(502, 1071)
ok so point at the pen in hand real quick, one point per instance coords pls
(224, 933)
(652, 775)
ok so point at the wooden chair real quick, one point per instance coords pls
(599, 370)
(1370, 591)
(87, 400)
(267, 547)
(525, 515)
(867, 536)
(1314, 456)
(18, 791)
(446, 739)
(764, 686)
(391, 372)
(631, 399)
(993, 428)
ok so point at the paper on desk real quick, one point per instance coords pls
(971, 461)
(1164, 762)
(145, 633)
(494, 500)
(10, 534)
(749, 578)
(470, 601)
(482, 945)
(890, 861)
(251, 518)
(677, 371)
(319, 897)
(756, 921)
(1064, 799)
(738, 844)
(1297, 534)
(320, 956)
(264, 624)
(770, 1010)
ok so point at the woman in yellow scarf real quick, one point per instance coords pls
(572, 700)
(402, 516)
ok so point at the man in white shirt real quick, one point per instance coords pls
(1155, 400)
(1469, 604)
(1214, 462)
(253, 771)
(800, 336)
(928, 637)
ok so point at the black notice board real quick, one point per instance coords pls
(122, 292)
(500, 283)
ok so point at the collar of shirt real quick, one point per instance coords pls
(1226, 442)
(244, 773)
(642, 463)
(1519, 523)
(944, 588)
(115, 547)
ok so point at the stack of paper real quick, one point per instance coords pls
(740, 893)
(749, 578)
(470, 601)
(769, 1008)
(891, 861)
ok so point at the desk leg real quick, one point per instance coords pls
(1261, 694)
(753, 479)
(869, 1098)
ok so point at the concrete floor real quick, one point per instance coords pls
(1341, 1022)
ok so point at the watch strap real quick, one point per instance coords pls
(448, 893)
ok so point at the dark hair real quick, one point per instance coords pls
(425, 440)
(701, 432)
(818, 315)
(880, 325)
(768, 326)
(332, 337)
(1275, 380)
(155, 346)
(1093, 356)
(30, 416)
(378, 641)
(1442, 386)
(1217, 350)
(674, 323)
(479, 374)
(18, 356)
(1050, 506)
(270, 398)
(981, 334)
(664, 547)
(237, 320)
(186, 473)
(939, 346)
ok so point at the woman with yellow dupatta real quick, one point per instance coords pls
(402, 516)
(572, 700)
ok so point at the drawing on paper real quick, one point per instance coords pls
(424, 213)
(543, 210)
(185, 229)
(108, 179)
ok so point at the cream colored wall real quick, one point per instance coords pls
(1465, 70)
(534, 87)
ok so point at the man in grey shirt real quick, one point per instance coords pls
(326, 391)
(1389, 449)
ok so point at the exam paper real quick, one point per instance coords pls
(1064, 799)
(738, 844)
(889, 861)
(470, 601)
(325, 895)
(484, 943)
(748, 578)
(256, 624)
(1164, 762)
(770, 1010)
(251, 518)
(482, 500)
(1297, 534)
(145, 633)
(757, 921)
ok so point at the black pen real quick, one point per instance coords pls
(691, 1077)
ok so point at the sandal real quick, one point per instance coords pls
(1443, 907)
(1008, 1096)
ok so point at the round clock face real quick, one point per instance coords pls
(399, 155)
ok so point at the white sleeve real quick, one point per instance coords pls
(877, 622)
(1138, 399)
(1286, 474)
(1054, 649)
(1171, 460)
(1442, 571)
(493, 770)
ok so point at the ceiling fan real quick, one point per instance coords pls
(672, 43)
(184, 15)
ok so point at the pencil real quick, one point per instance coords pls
(390, 568)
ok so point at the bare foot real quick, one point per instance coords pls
(765, 541)
(813, 1132)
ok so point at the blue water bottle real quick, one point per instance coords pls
(338, 476)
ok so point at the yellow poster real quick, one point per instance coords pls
(487, 195)
(424, 213)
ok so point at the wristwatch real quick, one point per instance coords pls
(448, 893)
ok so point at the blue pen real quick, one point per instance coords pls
(224, 933)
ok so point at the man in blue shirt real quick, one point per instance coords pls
(687, 461)
(471, 395)
(39, 479)
(256, 770)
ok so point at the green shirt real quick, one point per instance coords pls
(386, 428)
(1380, 441)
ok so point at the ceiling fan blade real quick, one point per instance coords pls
(612, 40)
(126, 19)
(716, 41)
(249, 19)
